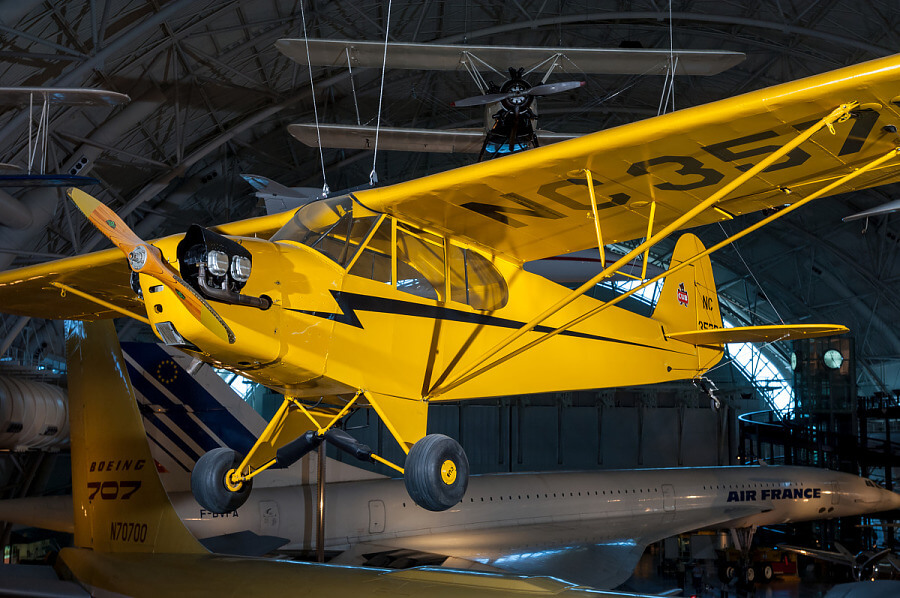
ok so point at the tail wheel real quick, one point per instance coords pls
(765, 573)
(436, 472)
(208, 481)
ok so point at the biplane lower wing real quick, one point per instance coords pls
(757, 334)
(460, 141)
(650, 173)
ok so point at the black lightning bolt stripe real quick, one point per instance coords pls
(350, 303)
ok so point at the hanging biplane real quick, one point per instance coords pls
(511, 128)
(395, 297)
(43, 99)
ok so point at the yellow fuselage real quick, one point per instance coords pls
(329, 332)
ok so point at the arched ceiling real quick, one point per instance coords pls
(211, 98)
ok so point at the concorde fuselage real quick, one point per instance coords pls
(507, 512)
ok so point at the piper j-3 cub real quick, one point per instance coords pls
(395, 297)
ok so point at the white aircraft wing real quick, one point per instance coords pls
(449, 57)
(824, 555)
(447, 141)
(600, 552)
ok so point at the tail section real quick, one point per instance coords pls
(189, 411)
(119, 502)
(688, 300)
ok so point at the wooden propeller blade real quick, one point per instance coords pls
(106, 221)
(147, 259)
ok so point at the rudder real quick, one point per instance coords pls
(119, 502)
(688, 300)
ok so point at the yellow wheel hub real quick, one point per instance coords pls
(448, 472)
(232, 481)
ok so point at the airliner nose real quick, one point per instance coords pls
(890, 500)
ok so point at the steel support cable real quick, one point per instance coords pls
(373, 177)
(753, 276)
(312, 87)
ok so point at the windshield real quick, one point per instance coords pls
(410, 259)
(335, 227)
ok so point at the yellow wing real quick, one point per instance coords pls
(535, 204)
(29, 291)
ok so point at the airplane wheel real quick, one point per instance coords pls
(436, 472)
(727, 573)
(765, 573)
(208, 481)
(749, 575)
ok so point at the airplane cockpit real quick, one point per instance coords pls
(381, 248)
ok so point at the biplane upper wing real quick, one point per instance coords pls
(536, 203)
(30, 291)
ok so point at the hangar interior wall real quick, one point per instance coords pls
(546, 433)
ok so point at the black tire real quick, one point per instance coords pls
(208, 481)
(425, 482)
(764, 572)
(727, 573)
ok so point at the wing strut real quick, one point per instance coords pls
(484, 364)
(64, 288)
(600, 243)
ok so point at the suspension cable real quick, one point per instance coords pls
(373, 177)
(667, 97)
(352, 85)
(752, 275)
(325, 189)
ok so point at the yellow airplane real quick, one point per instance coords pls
(391, 298)
(129, 540)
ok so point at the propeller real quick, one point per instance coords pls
(538, 90)
(144, 258)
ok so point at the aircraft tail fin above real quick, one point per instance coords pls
(119, 502)
(688, 300)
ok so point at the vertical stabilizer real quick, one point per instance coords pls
(119, 502)
(688, 300)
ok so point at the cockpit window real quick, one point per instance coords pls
(474, 280)
(413, 260)
(420, 263)
(333, 226)
(374, 261)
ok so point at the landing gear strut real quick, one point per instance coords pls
(436, 470)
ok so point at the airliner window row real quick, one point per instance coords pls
(563, 494)
(754, 485)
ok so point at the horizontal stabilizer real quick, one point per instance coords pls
(757, 334)
(47, 512)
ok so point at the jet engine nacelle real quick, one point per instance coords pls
(33, 415)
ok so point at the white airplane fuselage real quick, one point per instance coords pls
(504, 513)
